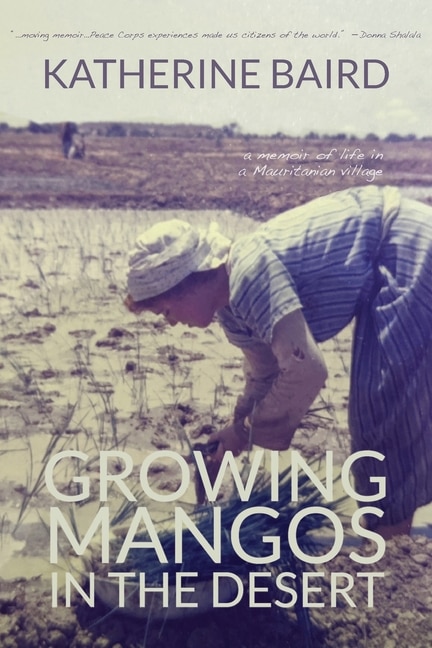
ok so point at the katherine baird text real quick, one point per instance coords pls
(163, 73)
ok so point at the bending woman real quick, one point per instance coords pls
(363, 254)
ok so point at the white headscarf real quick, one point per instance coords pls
(168, 252)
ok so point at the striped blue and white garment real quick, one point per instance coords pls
(362, 254)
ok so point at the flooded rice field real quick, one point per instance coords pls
(80, 374)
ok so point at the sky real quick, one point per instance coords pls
(304, 30)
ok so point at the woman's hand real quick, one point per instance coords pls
(229, 439)
(226, 439)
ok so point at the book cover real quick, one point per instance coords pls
(116, 529)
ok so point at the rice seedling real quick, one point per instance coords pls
(35, 482)
(24, 374)
(254, 527)
(209, 546)
(105, 392)
(4, 524)
(46, 292)
(139, 372)
(140, 392)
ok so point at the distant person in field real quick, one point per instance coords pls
(72, 142)
(363, 255)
